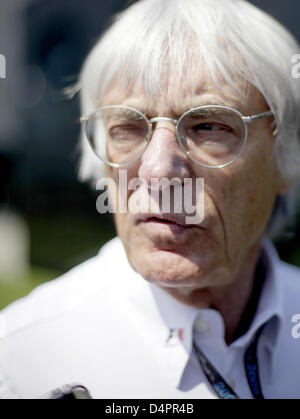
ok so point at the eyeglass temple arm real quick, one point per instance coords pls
(248, 119)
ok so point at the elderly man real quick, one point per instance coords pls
(176, 306)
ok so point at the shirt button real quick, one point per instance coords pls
(200, 326)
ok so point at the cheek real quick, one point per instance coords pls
(254, 190)
(119, 196)
(122, 225)
(121, 179)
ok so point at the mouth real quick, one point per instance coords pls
(164, 223)
(177, 219)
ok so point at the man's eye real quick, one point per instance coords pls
(127, 132)
(210, 127)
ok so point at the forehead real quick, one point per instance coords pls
(172, 99)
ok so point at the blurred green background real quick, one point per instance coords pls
(48, 220)
(57, 244)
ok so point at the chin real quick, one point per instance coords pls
(170, 269)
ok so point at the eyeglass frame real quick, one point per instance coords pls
(246, 120)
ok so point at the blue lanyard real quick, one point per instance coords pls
(220, 386)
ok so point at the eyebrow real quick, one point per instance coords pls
(126, 113)
(199, 112)
(196, 103)
(220, 102)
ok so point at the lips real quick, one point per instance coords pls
(176, 219)
(165, 226)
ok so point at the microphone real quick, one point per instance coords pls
(69, 391)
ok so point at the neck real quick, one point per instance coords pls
(236, 302)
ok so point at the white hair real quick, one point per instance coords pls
(231, 38)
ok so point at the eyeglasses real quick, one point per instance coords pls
(211, 136)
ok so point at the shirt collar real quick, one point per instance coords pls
(181, 319)
(178, 320)
(270, 309)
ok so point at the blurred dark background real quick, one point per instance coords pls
(48, 220)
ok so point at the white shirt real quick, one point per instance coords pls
(104, 326)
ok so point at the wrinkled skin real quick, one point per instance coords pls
(212, 264)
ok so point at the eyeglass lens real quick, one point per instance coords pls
(210, 136)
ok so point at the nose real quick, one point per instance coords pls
(163, 157)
